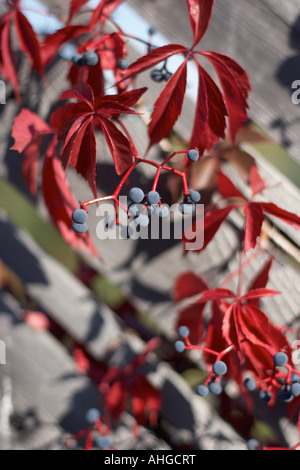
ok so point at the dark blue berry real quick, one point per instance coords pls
(195, 196)
(153, 197)
(92, 415)
(264, 396)
(167, 76)
(179, 346)
(253, 444)
(151, 31)
(79, 216)
(250, 384)
(157, 75)
(123, 64)
(103, 442)
(186, 207)
(219, 368)
(295, 389)
(77, 60)
(284, 394)
(79, 228)
(202, 390)
(162, 211)
(280, 359)
(193, 155)
(90, 58)
(183, 331)
(215, 388)
(295, 377)
(136, 195)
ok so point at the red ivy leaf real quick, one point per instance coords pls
(254, 220)
(234, 93)
(212, 222)
(153, 58)
(116, 399)
(28, 41)
(209, 124)
(216, 294)
(287, 217)
(26, 125)
(188, 285)
(168, 106)
(75, 6)
(257, 184)
(261, 280)
(227, 188)
(258, 293)
(200, 12)
(146, 401)
(103, 10)
(29, 131)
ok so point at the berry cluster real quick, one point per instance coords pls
(271, 387)
(213, 383)
(96, 435)
(142, 205)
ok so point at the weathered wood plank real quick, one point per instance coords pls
(49, 398)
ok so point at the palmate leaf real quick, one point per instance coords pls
(213, 106)
(75, 124)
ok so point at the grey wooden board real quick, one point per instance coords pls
(44, 284)
(48, 393)
(261, 41)
(190, 420)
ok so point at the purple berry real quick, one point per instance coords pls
(157, 75)
(136, 195)
(79, 228)
(250, 384)
(79, 216)
(90, 59)
(153, 197)
(193, 155)
(179, 346)
(219, 368)
(123, 64)
(183, 331)
(253, 444)
(280, 359)
(202, 390)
